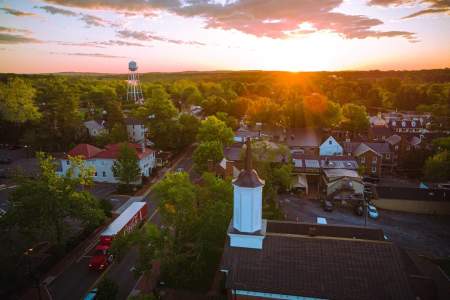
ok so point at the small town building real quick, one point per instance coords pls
(102, 160)
(136, 130)
(372, 157)
(95, 128)
(338, 181)
(303, 140)
(331, 147)
(308, 169)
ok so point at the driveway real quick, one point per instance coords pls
(424, 234)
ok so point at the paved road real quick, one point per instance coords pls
(424, 234)
(77, 279)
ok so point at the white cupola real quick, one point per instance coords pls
(247, 228)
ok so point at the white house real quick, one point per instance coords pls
(103, 160)
(136, 130)
(331, 147)
(94, 128)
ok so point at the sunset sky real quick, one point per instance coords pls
(184, 35)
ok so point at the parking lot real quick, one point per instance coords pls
(425, 234)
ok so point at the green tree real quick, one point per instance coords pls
(42, 207)
(213, 129)
(282, 177)
(231, 121)
(356, 119)
(195, 218)
(117, 134)
(126, 167)
(107, 290)
(161, 118)
(207, 152)
(17, 102)
(437, 167)
(188, 130)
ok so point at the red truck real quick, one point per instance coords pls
(128, 220)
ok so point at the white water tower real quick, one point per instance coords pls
(134, 91)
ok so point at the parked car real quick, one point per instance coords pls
(327, 206)
(372, 212)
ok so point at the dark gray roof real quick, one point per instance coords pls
(380, 130)
(303, 137)
(248, 178)
(233, 152)
(294, 263)
(380, 147)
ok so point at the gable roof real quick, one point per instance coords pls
(363, 148)
(358, 148)
(327, 139)
(111, 151)
(394, 139)
(93, 124)
(298, 261)
(85, 150)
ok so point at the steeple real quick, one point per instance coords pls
(248, 177)
(248, 228)
(248, 155)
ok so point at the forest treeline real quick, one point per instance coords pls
(47, 111)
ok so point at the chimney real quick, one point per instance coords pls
(229, 168)
(210, 165)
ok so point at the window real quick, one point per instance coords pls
(363, 159)
(374, 159)
(374, 170)
(330, 142)
(104, 174)
(68, 162)
(388, 156)
(396, 147)
(408, 148)
(95, 174)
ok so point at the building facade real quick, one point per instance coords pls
(102, 160)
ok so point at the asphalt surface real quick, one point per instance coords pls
(423, 234)
(76, 279)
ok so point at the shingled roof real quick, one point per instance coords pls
(323, 263)
(85, 150)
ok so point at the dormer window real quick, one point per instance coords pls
(403, 124)
(330, 142)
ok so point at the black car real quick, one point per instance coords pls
(327, 206)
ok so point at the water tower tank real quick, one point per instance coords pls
(132, 66)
